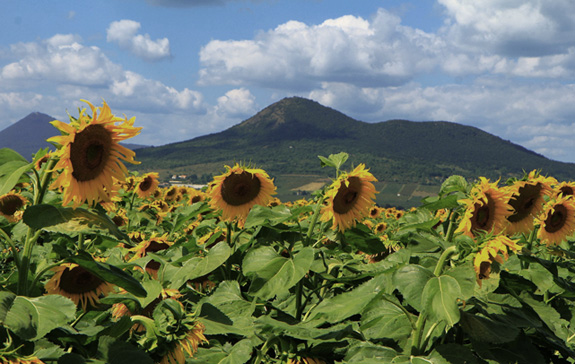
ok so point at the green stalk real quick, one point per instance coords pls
(298, 297)
(419, 325)
(25, 261)
(43, 186)
(442, 259)
(450, 228)
(314, 219)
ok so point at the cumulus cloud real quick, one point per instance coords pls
(125, 34)
(61, 58)
(349, 49)
(512, 28)
(236, 103)
(518, 112)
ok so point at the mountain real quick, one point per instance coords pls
(29, 134)
(286, 138)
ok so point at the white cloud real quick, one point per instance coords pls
(60, 59)
(125, 34)
(524, 114)
(515, 28)
(349, 49)
(236, 103)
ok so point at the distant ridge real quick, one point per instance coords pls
(29, 134)
(287, 136)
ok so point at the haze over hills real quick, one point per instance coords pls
(286, 138)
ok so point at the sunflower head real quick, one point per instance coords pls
(349, 198)
(90, 156)
(152, 245)
(527, 198)
(565, 188)
(11, 205)
(557, 220)
(78, 284)
(235, 192)
(486, 210)
(147, 185)
(495, 250)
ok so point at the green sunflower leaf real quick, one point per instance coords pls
(109, 273)
(71, 221)
(439, 299)
(33, 318)
(10, 174)
(273, 274)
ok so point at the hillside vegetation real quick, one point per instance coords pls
(286, 137)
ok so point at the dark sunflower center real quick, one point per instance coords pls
(240, 188)
(90, 151)
(156, 246)
(146, 184)
(483, 217)
(10, 204)
(346, 196)
(524, 201)
(196, 199)
(79, 280)
(556, 220)
(566, 191)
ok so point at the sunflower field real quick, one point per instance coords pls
(101, 265)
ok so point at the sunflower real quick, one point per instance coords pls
(11, 205)
(90, 155)
(349, 198)
(78, 284)
(565, 188)
(494, 250)
(188, 343)
(120, 310)
(557, 221)
(152, 245)
(375, 212)
(487, 209)
(196, 196)
(147, 185)
(238, 190)
(13, 358)
(527, 201)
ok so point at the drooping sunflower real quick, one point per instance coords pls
(557, 221)
(487, 209)
(188, 343)
(147, 185)
(78, 284)
(527, 201)
(11, 205)
(349, 198)
(497, 250)
(90, 156)
(238, 190)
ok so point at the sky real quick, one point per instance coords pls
(186, 68)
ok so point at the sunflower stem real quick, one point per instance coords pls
(46, 177)
(417, 332)
(451, 228)
(31, 239)
(41, 273)
(314, 219)
(298, 297)
(442, 259)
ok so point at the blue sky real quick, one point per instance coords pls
(187, 68)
